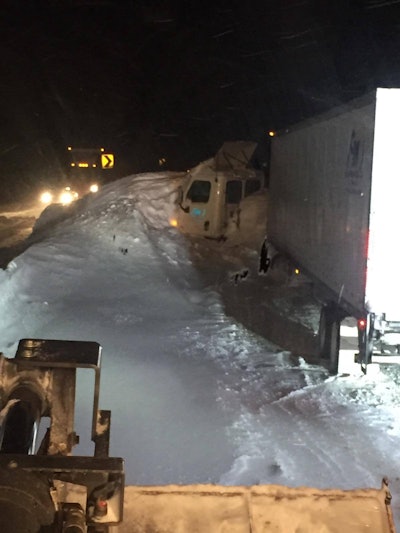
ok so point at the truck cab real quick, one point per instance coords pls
(211, 199)
(85, 172)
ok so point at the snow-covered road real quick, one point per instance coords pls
(195, 395)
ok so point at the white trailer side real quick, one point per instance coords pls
(383, 288)
(333, 183)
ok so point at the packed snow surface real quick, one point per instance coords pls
(196, 396)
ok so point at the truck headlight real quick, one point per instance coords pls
(66, 197)
(46, 197)
(94, 187)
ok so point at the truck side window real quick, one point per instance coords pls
(233, 194)
(252, 186)
(199, 191)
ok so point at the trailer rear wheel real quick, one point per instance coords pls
(329, 336)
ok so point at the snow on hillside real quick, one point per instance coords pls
(195, 395)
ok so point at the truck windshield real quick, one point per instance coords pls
(199, 192)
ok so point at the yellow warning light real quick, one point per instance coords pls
(296, 271)
(69, 148)
(101, 149)
(94, 165)
(83, 165)
(72, 164)
(173, 222)
(271, 133)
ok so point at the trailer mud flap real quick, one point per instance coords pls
(329, 336)
(365, 328)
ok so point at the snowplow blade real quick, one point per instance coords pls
(255, 509)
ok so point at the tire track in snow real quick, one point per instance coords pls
(342, 432)
(316, 449)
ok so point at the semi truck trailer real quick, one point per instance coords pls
(334, 213)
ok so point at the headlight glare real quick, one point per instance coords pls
(46, 197)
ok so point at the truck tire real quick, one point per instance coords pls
(329, 336)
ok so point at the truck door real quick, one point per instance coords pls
(198, 209)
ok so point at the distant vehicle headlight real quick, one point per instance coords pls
(67, 196)
(46, 197)
(94, 187)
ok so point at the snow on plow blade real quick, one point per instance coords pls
(256, 509)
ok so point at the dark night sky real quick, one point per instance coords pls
(174, 79)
